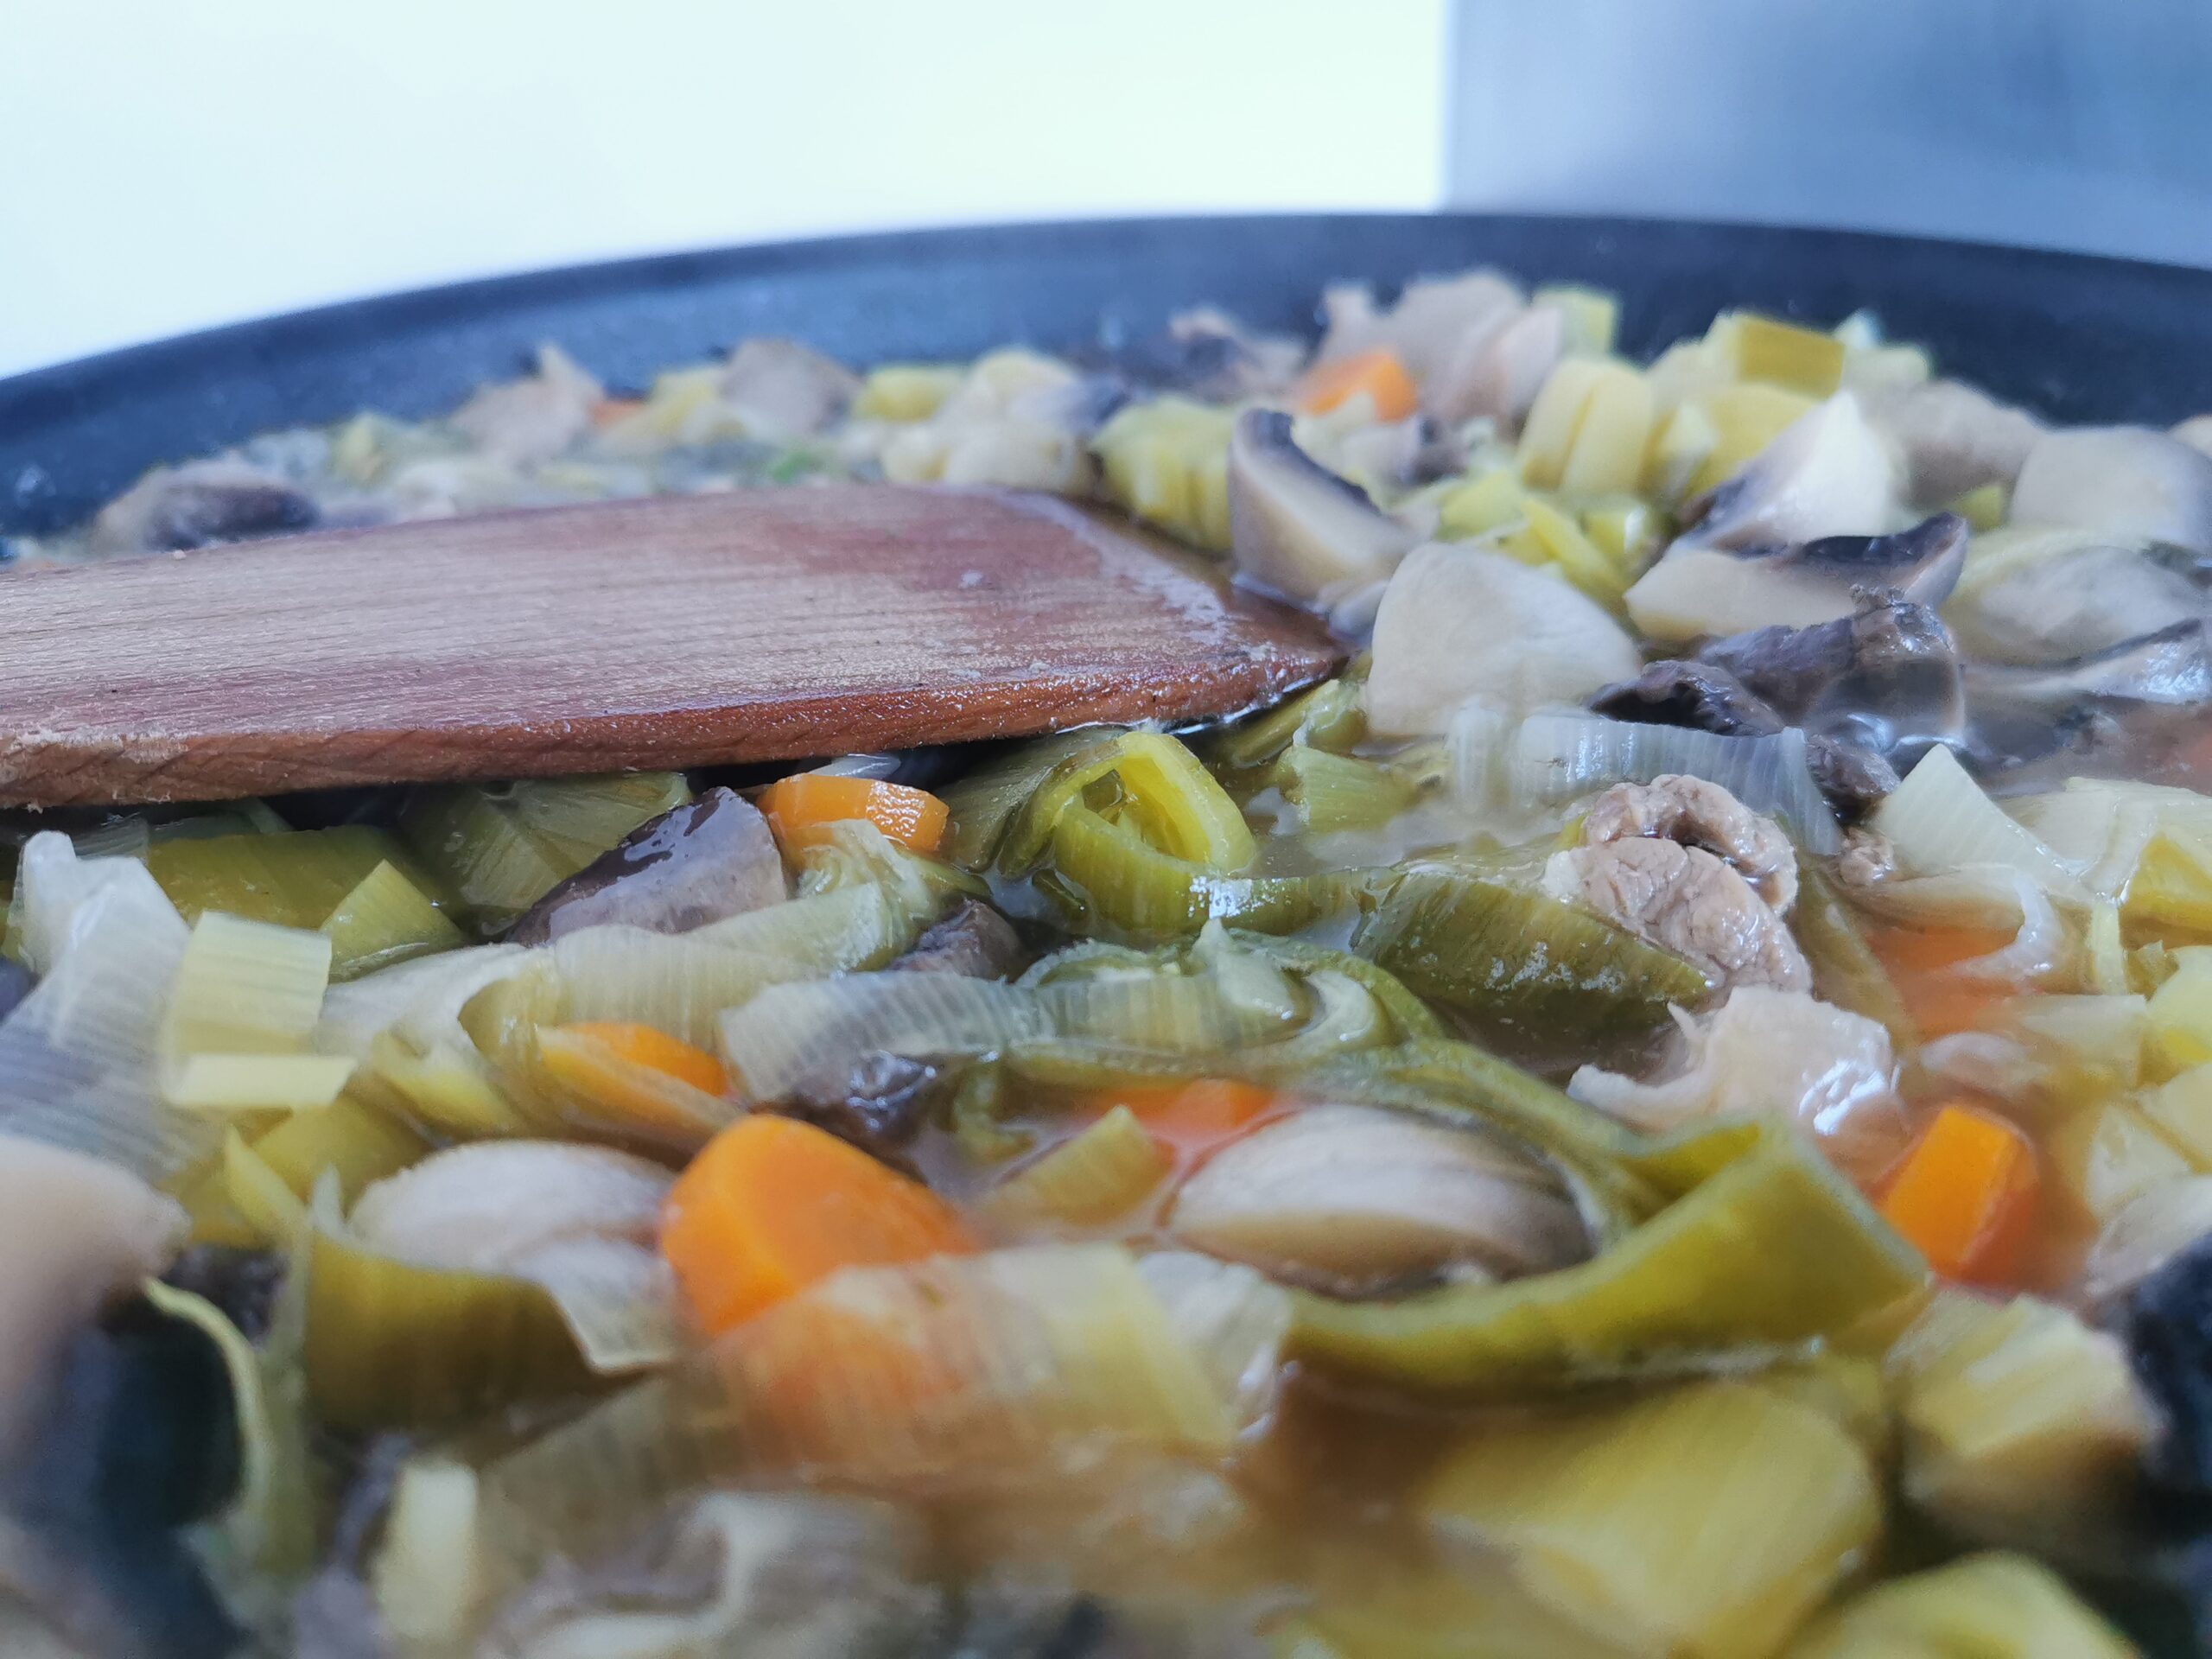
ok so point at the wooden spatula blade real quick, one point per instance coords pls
(672, 631)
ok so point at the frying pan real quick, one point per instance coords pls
(2075, 338)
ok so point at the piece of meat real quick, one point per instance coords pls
(710, 858)
(1701, 813)
(974, 941)
(200, 504)
(1686, 900)
(1767, 1052)
(535, 418)
(1867, 857)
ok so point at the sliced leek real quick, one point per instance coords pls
(1516, 954)
(247, 998)
(1159, 788)
(1166, 462)
(1101, 1172)
(1707, 1519)
(1120, 882)
(1771, 1250)
(385, 919)
(292, 878)
(985, 802)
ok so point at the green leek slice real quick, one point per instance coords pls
(1767, 1252)
(294, 878)
(1339, 792)
(245, 1002)
(1846, 970)
(1990, 1606)
(985, 803)
(385, 918)
(1707, 1519)
(1101, 1172)
(1120, 882)
(500, 846)
(1489, 948)
(1167, 797)
(1327, 716)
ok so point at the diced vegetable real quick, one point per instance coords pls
(1846, 970)
(906, 391)
(986, 802)
(385, 919)
(1743, 421)
(2180, 1110)
(1592, 315)
(1098, 1174)
(2021, 1424)
(1548, 434)
(1965, 1195)
(2181, 1012)
(294, 879)
(500, 848)
(626, 1081)
(655, 1050)
(1939, 821)
(428, 1575)
(1611, 435)
(1992, 1606)
(2170, 892)
(1194, 1115)
(1337, 792)
(801, 807)
(1515, 954)
(246, 999)
(772, 1204)
(1379, 376)
(1783, 354)
(1547, 539)
(2107, 1155)
(1707, 1519)
(1769, 1248)
(1124, 883)
(1167, 461)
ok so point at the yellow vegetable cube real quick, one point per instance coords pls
(2109, 1154)
(1610, 439)
(1592, 315)
(1482, 505)
(906, 391)
(1548, 435)
(2181, 1012)
(1783, 354)
(2170, 892)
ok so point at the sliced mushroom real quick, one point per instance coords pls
(75, 1232)
(2049, 595)
(1210, 354)
(1297, 530)
(879, 1105)
(1459, 622)
(2125, 705)
(1829, 473)
(1887, 679)
(1499, 368)
(535, 418)
(502, 1206)
(200, 504)
(974, 941)
(1769, 1053)
(782, 390)
(1953, 438)
(2127, 482)
(698, 863)
(1356, 1197)
(1695, 591)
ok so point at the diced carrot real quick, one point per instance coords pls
(772, 1204)
(1379, 373)
(801, 809)
(1191, 1116)
(607, 411)
(657, 1050)
(1966, 1195)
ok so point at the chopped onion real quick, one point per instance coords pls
(79, 1055)
(789, 1033)
(1547, 759)
(1938, 819)
(2149, 1231)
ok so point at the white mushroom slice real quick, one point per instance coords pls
(1953, 438)
(703, 861)
(496, 1206)
(1458, 623)
(199, 504)
(1697, 591)
(2031, 596)
(74, 1231)
(1356, 1196)
(1829, 473)
(1296, 529)
(1498, 371)
(779, 388)
(1766, 1052)
(532, 419)
(2127, 482)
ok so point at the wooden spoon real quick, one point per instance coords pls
(674, 631)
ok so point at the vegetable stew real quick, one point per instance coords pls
(1668, 1110)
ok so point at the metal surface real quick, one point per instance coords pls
(2078, 337)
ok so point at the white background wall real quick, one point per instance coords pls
(169, 164)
